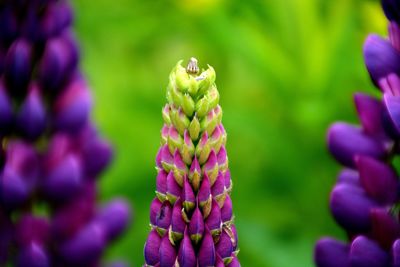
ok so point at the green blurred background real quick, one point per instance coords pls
(285, 71)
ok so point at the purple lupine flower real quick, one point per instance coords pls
(191, 216)
(51, 154)
(364, 201)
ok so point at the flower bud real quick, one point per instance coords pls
(188, 105)
(33, 255)
(226, 211)
(204, 196)
(180, 168)
(173, 188)
(186, 254)
(166, 114)
(385, 228)
(213, 221)
(194, 128)
(155, 208)
(206, 255)
(210, 168)
(196, 226)
(218, 189)
(175, 141)
(365, 252)
(331, 253)
(195, 174)
(151, 248)
(163, 218)
(167, 252)
(370, 111)
(177, 222)
(203, 149)
(189, 199)
(166, 159)
(161, 185)
(188, 148)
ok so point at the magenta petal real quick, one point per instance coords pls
(166, 156)
(186, 254)
(196, 226)
(365, 252)
(32, 229)
(206, 255)
(205, 190)
(370, 113)
(155, 208)
(96, 154)
(392, 105)
(167, 253)
(226, 210)
(378, 179)
(177, 223)
(219, 185)
(219, 262)
(213, 220)
(173, 189)
(227, 178)
(222, 157)
(189, 198)
(351, 207)
(346, 141)
(224, 246)
(178, 161)
(331, 253)
(385, 228)
(195, 167)
(161, 182)
(151, 248)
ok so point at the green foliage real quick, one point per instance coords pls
(286, 70)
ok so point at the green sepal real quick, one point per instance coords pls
(181, 79)
(165, 114)
(213, 97)
(193, 86)
(175, 96)
(180, 121)
(209, 122)
(202, 107)
(194, 128)
(188, 105)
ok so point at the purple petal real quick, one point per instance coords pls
(33, 255)
(396, 253)
(32, 229)
(196, 226)
(151, 248)
(167, 253)
(114, 217)
(345, 141)
(219, 185)
(6, 112)
(381, 58)
(351, 207)
(155, 208)
(378, 179)
(86, 247)
(96, 154)
(163, 218)
(14, 190)
(392, 108)
(206, 255)
(211, 167)
(365, 252)
(226, 210)
(204, 191)
(213, 220)
(186, 254)
(228, 181)
(31, 118)
(394, 35)
(224, 246)
(173, 189)
(331, 253)
(349, 176)
(177, 223)
(222, 157)
(189, 199)
(161, 182)
(235, 263)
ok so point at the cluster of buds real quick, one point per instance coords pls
(365, 199)
(50, 155)
(191, 215)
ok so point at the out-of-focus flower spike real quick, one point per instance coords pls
(395, 253)
(226, 211)
(97, 155)
(174, 141)
(151, 249)
(167, 253)
(114, 217)
(32, 229)
(203, 149)
(204, 196)
(381, 58)
(166, 158)
(210, 168)
(351, 207)
(392, 106)
(163, 218)
(345, 141)
(196, 226)
(57, 17)
(378, 179)
(206, 255)
(18, 66)
(33, 255)
(161, 185)
(9, 22)
(365, 252)
(173, 188)
(218, 190)
(189, 199)
(186, 254)
(385, 228)
(331, 253)
(194, 128)
(195, 174)
(187, 149)
(177, 222)
(350, 177)
(370, 113)
(31, 118)
(390, 84)
(155, 208)
(213, 221)
(180, 168)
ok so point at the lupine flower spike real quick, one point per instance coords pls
(191, 216)
(365, 198)
(51, 154)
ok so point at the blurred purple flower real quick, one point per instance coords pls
(51, 154)
(365, 199)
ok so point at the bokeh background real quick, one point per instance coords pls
(285, 71)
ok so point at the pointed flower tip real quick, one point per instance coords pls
(207, 255)
(196, 226)
(167, 252)
(186, 254)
